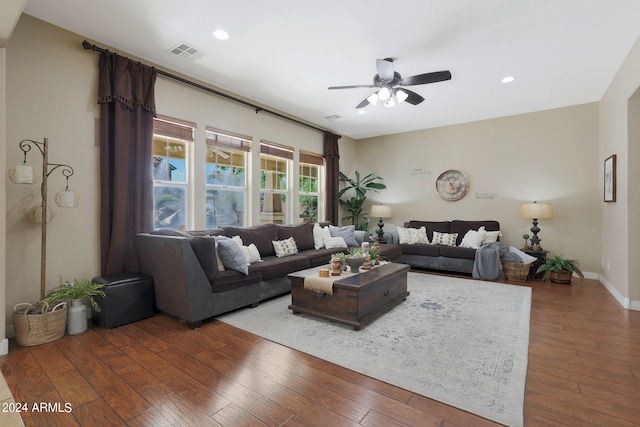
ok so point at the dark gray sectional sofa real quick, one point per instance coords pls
(190, 285)
(439, 257)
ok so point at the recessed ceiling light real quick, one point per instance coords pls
(362, 111)
(509, 79)
(221, 34)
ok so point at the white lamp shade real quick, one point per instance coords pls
(67, 198)
(373, 99)
(35, 214)
(23, 174)
(401, 95)
(536, 210)
(381, 211)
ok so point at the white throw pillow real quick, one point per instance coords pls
(285, 247)
(412, 236)
(445, 239)
(335, 242)
(526, 258)
(251, 253)
(473, 238)
(491, 236)
(320, 234)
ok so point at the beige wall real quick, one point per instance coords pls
(620, 135)
(3, 206)
(549, 156)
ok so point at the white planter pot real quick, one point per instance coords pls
(77, 318)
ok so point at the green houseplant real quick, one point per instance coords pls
(78, 289)
(76, 292)
(354, 204)
(560, 270)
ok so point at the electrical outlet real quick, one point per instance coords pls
(602, 262)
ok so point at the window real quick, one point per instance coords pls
(171, 151)
(226, 178)
(311, 167)
(275, 160)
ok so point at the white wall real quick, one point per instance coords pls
(4, 348)
(619, 134)
(549, 156)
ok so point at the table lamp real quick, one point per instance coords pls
(536, 211)
(381, 211)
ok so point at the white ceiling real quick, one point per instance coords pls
(285, 53)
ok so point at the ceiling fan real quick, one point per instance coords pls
(392, 86)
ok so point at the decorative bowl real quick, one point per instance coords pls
(355, 263)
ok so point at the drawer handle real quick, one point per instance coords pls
(386, 293)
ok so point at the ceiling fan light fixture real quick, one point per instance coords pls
(389, 103)
(384, 94)
(401, 95)
(373, 99)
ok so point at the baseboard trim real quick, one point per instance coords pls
(625, 302)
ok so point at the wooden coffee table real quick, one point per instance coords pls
(357, 299)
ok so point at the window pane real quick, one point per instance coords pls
(273, 173)
(169, 207)
(309, 208)
(273, 208)
(169, 160)
(225, 208)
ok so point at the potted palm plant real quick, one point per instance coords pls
(560, 270)
(76, 292)
(354, 205)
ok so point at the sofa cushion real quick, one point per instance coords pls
(446, 239)
(348, 233)
(302, 233)
(205, 250)
(230, 279)
(320, 256)
(457, 252)
(286, 247)
(461, 227)
(320, 235)
(260, 235)
(431, 226)
(474, 238)
(231, 255)
(425, 250)
(412, 235)
(274, 267)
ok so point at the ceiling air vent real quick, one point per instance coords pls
(187, 52)
(333, 117)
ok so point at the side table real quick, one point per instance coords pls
(541, 258)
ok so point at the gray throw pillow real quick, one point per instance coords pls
(348, 233)
(231, 255)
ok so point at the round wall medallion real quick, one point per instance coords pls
(452, 185)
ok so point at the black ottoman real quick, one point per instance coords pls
(129, 298)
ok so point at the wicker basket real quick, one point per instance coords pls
(35, 328)
(516, 271)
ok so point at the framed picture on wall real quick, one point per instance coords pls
(610, 179)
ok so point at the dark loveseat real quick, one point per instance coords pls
(441, 257)
(190, 285)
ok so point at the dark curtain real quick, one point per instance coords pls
(127, 109)
(332, 159)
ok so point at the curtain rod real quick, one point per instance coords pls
(87, 46)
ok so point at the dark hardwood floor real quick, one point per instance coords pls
(584, 369)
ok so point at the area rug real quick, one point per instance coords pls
(462, 342)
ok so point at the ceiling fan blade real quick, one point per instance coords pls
(385, 69)
(413, 97)
(363, 104)
(350, 87)
(421, 79)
